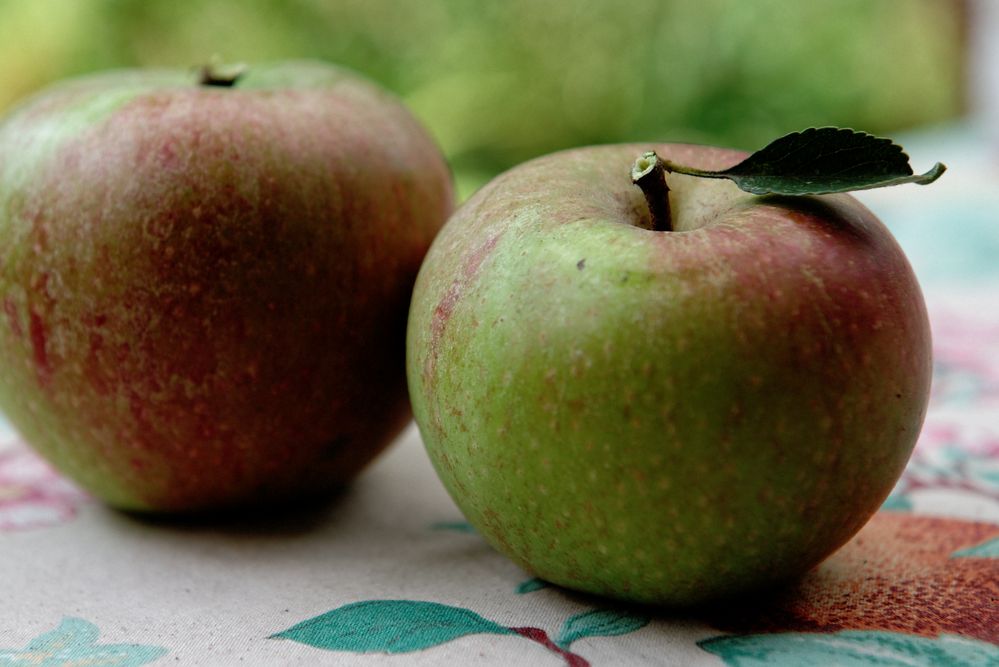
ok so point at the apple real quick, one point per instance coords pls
(665, 416)
(205, 279)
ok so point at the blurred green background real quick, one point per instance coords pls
(501, 82)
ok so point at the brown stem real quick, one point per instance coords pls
(649, 174)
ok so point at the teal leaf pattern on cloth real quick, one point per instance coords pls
(531, 585)
(389, 626)
(988, 549)
(599, 623)
(456, 526)
(74, 643)
(897, 502)
(850, 648)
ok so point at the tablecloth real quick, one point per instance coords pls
(389, 573)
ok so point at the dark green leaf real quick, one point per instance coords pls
(820, 161)
(599, 623)
(389, 626)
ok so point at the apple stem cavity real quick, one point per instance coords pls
(649, 173)
(219, 75)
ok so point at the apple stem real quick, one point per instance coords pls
(649, 173)
(222, 76)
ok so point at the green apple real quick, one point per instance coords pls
(665, 416)
(205, 279)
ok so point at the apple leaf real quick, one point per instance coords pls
(820, 161)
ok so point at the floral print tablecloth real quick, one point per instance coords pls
(390, 574)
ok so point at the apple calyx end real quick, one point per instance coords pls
(219, 75)
(649, 173)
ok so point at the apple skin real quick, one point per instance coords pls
(665, 417)
(204, 288)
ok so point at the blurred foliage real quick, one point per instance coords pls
(500, 82)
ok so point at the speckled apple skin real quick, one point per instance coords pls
(205, 289)
(665, 417)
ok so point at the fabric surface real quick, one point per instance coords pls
(389, 573)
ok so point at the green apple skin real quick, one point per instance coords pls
(665, 417)
(205, 289)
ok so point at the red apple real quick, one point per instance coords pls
(205, 283)
(665, 416)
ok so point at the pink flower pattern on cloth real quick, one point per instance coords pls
(32, 494)
(966, 351)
